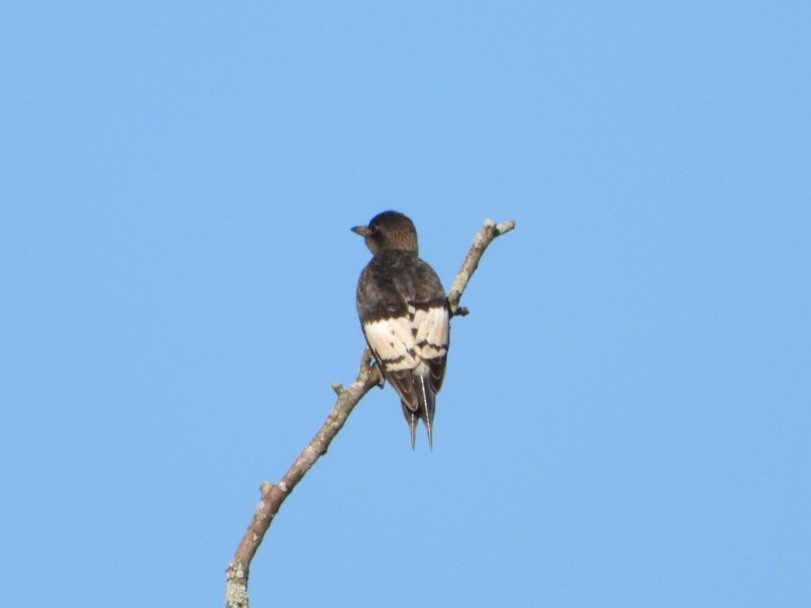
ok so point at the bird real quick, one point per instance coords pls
(405, 316)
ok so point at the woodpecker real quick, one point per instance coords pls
(405, 316)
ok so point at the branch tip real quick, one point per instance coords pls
(504, 227)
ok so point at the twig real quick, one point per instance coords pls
(486, 236)
(272, 496)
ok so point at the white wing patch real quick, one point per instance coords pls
(404, 342)
(431, 336)
(391, 341)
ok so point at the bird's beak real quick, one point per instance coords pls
(361, 230)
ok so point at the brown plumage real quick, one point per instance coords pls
(405, 316)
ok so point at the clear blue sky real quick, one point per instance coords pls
(627, 410)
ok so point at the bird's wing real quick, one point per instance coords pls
(404, 345)
(404, 314)
(431, 329)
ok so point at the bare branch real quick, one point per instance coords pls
(486, 236)
(272, 496)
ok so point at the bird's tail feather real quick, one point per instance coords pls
(423, 410)
(427, 404)
(411, 418)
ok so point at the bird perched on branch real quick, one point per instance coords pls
(405, 316)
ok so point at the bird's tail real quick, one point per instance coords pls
(424, 410)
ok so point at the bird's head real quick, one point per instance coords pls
(389, 230)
